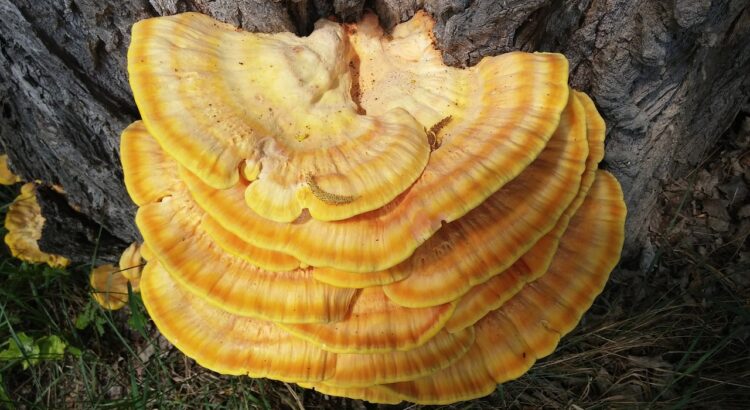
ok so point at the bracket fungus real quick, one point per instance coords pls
(24, 223)
(109, 283)
(346, 212)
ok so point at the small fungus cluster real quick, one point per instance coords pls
(109, 283)
(24, 222)
(345, 212)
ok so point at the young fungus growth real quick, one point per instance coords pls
(109, 283)
(24, 222)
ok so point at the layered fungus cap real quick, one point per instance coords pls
(279, 106)
(345, 212)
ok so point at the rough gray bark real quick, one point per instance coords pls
(667, 76)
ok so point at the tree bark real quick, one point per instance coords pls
(667, 76)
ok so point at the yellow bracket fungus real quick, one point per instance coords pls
(24, 222)
(262, 349)
(529, 326)
(492, 294)
(496, 233)
(109, 283)
(109, 286)
(131, 265)
(345, 212)
(215, 97)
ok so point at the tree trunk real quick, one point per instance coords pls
(667, 76)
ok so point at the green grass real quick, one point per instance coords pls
(112, 360)
(673, 335)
